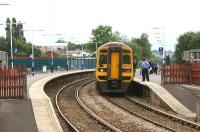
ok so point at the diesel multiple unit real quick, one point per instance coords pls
(114, 67)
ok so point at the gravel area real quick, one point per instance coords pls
(74, 113)
(51, 92)
(151, 115)
(146, 102)
(112, 114)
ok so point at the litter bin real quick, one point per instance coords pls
(44, 69)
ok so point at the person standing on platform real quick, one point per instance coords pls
(144, 67)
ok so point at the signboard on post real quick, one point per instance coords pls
(160, 50)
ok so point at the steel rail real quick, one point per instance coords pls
(57, 105)
(100, 120)
(170, 116)
(138, 115)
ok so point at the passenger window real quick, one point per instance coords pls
(126, 59)
(102, 59)
(195, 55)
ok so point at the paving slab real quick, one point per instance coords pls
(181, 99)
(17, 116)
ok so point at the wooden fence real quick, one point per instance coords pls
(195, 73)
(181, 73)
(13, 83)
(174, 74)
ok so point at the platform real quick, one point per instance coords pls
(17, 115)
(43, 110)
(171, 95)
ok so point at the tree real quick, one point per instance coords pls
(102, 34)
(146, 46)
(60, 41)
(187, 41)
(167, 60)
(141, 47)
(17, 29)
(18, 39)
(4, 45)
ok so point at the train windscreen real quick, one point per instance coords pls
(126, 59)
(102, 59)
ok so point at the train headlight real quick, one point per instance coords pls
(102, 69)
(126, 70)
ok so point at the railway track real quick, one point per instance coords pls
(79, 120)
(155, 116)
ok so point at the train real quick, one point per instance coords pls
(114, 67)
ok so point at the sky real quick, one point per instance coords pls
(75, 19)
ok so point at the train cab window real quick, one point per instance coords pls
(126, 59)
(102, 59)
(103, 51)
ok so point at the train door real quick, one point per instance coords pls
(114, 66)
(114, 63)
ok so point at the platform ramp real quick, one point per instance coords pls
(160, 94)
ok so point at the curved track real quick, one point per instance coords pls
(97, 124)
(159, 118)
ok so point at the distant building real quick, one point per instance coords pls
(57, 50)
(191, 55)
(3, 59)
(61, 50)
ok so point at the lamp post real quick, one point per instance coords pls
(66, 53)
(11, 42)
(32, 54)
(163, 42)
(82, 57)
(51, 50)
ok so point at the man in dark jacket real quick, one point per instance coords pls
(145, 66)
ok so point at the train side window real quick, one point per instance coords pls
(102, 59)
(195, 55)
(126, 59)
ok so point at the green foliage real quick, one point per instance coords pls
(60, 41)
(102, 34)
(141, 47)
(167, 60)
(18, 39)
(4, 45)
(187, 41)
(73, 46)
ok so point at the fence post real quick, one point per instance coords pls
(24, 86)
(198, 109)
(162, 73)
(190, 73)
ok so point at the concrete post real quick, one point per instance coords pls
(198, 109)
(162, 74)
(24, 86)
(190, 73)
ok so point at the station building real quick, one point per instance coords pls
(3, 59)
(192, 56)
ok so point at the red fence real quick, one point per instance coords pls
(174, 74)
(13, 83)
(195, 72)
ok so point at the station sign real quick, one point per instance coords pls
(160, 50)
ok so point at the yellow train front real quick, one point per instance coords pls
(114, 67)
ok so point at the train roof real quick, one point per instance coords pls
(114, 44)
